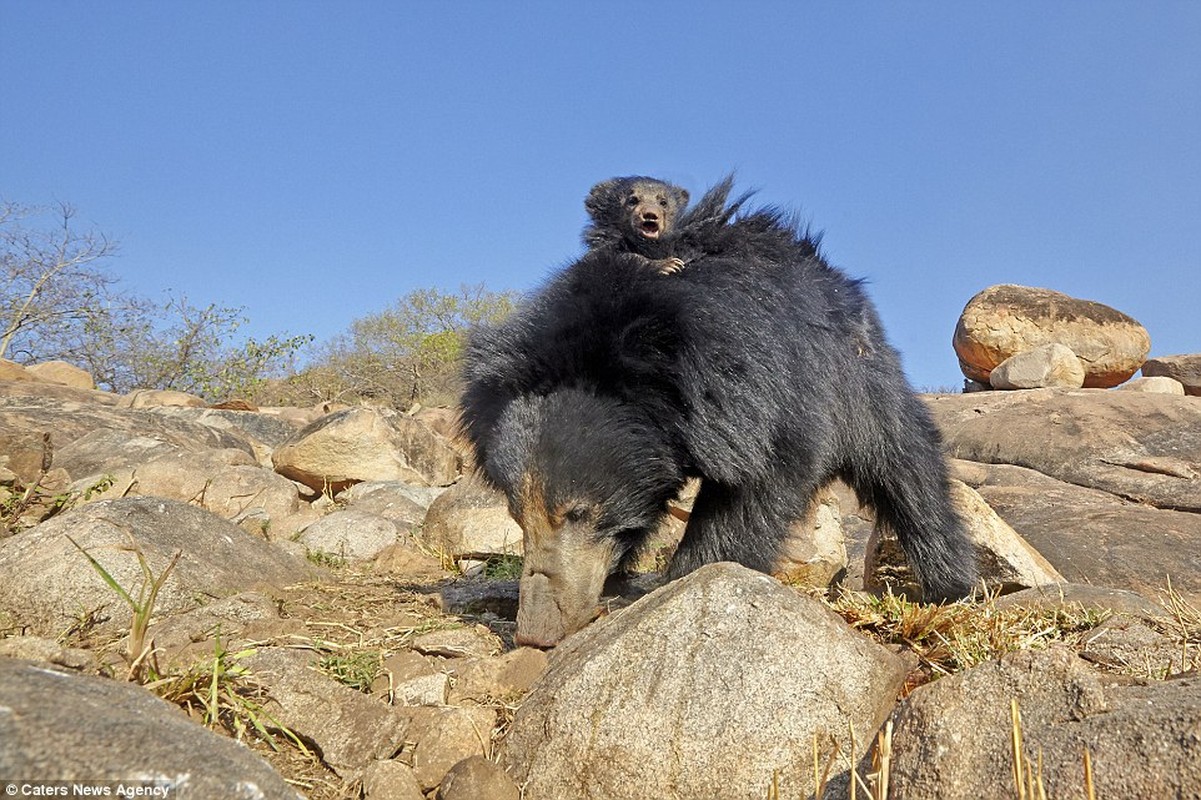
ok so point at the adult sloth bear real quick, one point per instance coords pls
(759, 368)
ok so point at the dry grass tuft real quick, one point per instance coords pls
(1185, 627)
(950, 638)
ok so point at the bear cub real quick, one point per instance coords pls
(635, 215)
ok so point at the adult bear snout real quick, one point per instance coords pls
(540, 621)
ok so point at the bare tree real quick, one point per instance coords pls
(197, 350)
(50, 283)
(57, 302)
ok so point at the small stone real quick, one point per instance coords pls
(477, 778)
(1158, 384)
(503, 677)
(150, 398)
(1052, 366)
(442, 737)
(409, 679)
(471, 567)
(391, 780)
(457, 642)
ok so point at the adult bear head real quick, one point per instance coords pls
(588, 479)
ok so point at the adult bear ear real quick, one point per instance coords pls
(681, 198)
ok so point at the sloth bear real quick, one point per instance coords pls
(760, 368)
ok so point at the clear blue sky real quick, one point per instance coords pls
(313, 162)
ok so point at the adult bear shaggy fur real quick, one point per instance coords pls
(760, 368)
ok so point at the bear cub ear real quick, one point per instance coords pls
(680, 196)
(601, 198)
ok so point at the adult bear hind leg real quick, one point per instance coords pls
(745, 524)
(911, 496)
(933, 538)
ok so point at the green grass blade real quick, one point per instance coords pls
(109, 579)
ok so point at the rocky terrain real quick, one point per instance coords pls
(234, 601)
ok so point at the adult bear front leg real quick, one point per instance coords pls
(746, 523)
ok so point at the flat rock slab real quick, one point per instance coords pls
(350, 729)
(70, 420)
(1138, 446)
(1091, 536)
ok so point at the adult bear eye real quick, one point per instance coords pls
(632, 200)
(577, 514)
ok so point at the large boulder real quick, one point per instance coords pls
(471, 519)
(953, 738)
(1005, 320)
(58, 726)
(366, 444)
(350, 534)
(716, 685)
(226, 482)
(1157, 384)
(1184, 368)
(48, 584)
(62, 373)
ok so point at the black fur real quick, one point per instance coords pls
(760, 368)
